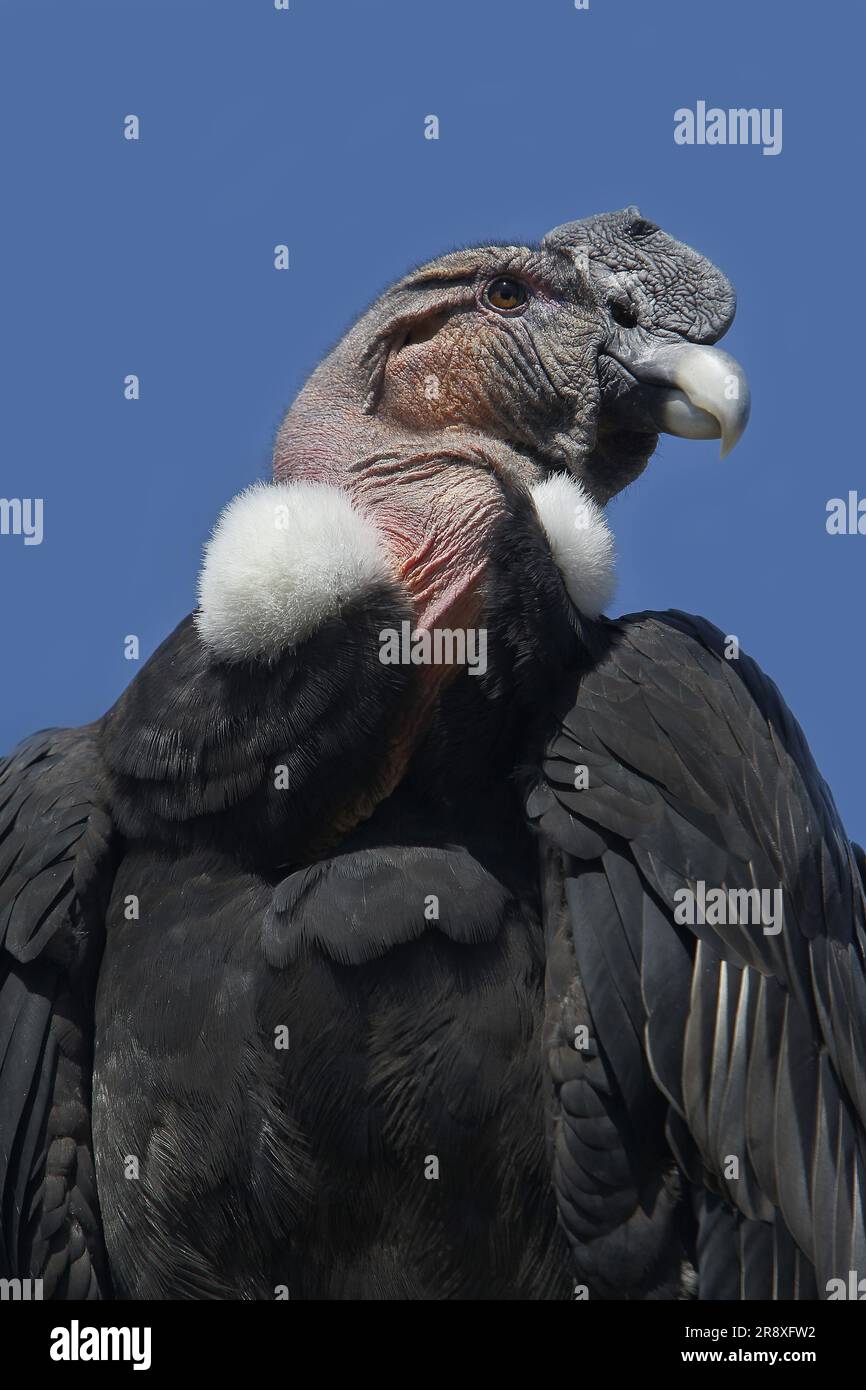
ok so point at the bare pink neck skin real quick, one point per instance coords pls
(436, 502)
(437, 517)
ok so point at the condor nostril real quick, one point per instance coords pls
(641, 227)
(622, 311)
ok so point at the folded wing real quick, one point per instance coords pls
(698, 794)
(56, 866)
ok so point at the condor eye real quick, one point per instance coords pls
(505, 294)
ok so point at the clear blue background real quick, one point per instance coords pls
(306, 127)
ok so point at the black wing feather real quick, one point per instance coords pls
(55, 872)
(699, 773)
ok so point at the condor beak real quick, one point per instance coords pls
(686, 389)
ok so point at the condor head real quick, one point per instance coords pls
(573, 354)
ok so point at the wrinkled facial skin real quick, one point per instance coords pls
(526, 375)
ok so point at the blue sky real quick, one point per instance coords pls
(306, 127)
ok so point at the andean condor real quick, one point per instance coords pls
(439, 978)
